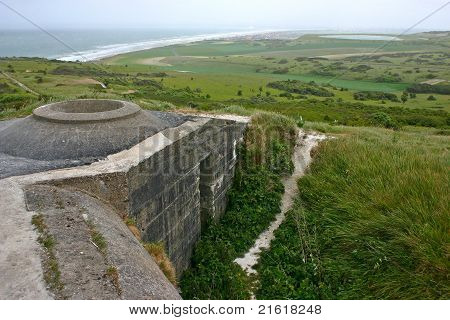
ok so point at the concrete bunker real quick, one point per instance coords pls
(82, 130)
(168, 172)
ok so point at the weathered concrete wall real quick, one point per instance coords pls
(169, 182)
(172, 192)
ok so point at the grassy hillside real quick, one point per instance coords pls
(55, 81)
(209, 75)
(371, 221)
(372, 218)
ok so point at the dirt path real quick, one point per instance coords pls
(20, 84)
(301, 159)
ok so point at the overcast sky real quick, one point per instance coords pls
(237, 14)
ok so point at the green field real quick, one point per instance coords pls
(372, 217)
(211, 74)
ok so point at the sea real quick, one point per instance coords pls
(87, 45)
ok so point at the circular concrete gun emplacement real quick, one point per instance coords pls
(82, 111)
(80, 130)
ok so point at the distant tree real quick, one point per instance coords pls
(192, 104)
(431, 98)
(412, 95)
(404, 97)
(208, 96)
(268, 93)
(239, 93)
(260, 89)
(382, 119)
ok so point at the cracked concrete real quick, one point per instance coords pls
(20, 254)
(102, 189)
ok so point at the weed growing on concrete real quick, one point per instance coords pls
(157, 251)
(97, 238)
(52, 275)
(113, 274)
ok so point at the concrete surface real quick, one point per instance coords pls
(54, 132)
(167, 181)
(11, 165)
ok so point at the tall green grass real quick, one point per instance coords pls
(371, 222)
(254, 201)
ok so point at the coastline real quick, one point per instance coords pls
(118, 49)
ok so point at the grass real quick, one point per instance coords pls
(259, 59)
(247, 67)
(113, 274)
(371, 221)
(157, 251)
(97, 238)
(52, 274)
(99, 241)
(131, 224)
(254, 201)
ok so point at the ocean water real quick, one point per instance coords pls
(85, 45)
(362, 37)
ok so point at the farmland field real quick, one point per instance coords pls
(248, 72)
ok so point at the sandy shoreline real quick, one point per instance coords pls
(115, 50)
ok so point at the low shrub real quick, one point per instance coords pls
(254, 201)
(300, 87)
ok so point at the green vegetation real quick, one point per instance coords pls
(381, 119)
(113, 275)
(99, 241)
(97, 238)
(299, 87)
(253, 203)
(371, 222)
(426, 88)
(313, 77)
(375, 95)
(158, 252)
(52, 275)
(372, 218)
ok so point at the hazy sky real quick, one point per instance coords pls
(283, 14)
